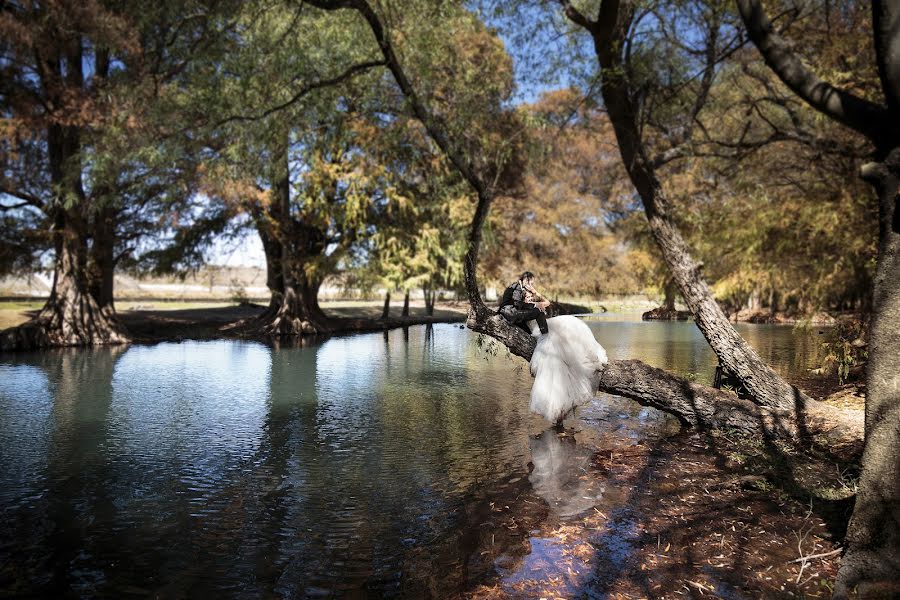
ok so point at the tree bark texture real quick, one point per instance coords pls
(266, 218)
(873, 556)
(103, 259)
(290, 245)
(72, 316)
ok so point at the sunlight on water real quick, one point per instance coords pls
(366, 463)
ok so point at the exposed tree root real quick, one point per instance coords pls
(287, 315)
(67, 319)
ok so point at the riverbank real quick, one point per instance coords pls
(156, 321)
(699, 520)
(698, 514)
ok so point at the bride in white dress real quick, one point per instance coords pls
(566, 364)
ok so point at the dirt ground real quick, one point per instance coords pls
(703, 516)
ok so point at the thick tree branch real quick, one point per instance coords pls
(28, 199)
(575, 16)
(840, 432)
(421, 112)
(857, 113)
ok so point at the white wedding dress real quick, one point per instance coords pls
(566, 365)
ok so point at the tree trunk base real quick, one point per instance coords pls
(873, 573)
(67, 319)
(286, 316)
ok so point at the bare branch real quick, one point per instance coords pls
(28, 199)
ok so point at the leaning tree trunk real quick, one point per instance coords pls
(766, 386)
(835, 431)
(694, 404)
(874, 531)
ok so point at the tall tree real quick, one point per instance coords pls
(283, 113)
(873, 555)
(692, 403)
(478, 142)
(627, 70)
(82, 78)
(47, 86)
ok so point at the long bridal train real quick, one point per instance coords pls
(566, 364)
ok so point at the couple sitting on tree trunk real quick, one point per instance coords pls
(567, 360)
(522, 303)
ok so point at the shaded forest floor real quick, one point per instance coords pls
(697, 522)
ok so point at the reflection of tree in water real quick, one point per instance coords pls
(348, 465)
(60, 534)
(377, 456)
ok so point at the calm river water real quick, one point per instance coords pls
(364, 465)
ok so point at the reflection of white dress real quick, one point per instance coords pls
(566, 365)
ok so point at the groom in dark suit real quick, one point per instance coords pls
(522, 303)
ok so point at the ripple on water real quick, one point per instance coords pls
(362, 464)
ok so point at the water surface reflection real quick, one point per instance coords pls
(368, 464)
